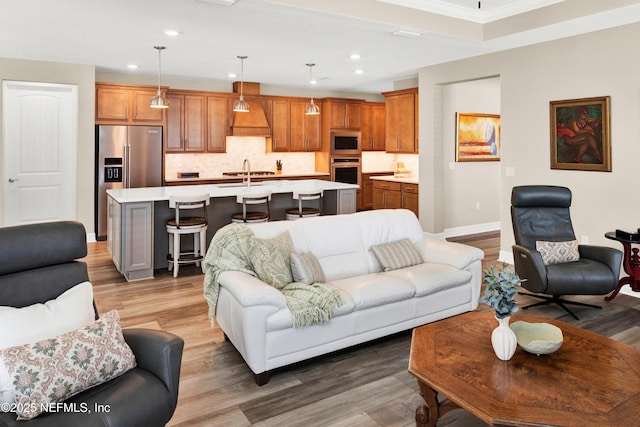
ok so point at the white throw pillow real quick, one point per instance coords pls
(71, 310)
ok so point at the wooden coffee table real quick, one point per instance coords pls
(590, 381)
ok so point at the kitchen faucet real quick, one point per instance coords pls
(246, 164)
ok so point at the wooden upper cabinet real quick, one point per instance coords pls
(218, 124)
(195, 123)
(126, 104)
(280, 125)
(402, 121)
(372, 131)
(186, 122)
(174, 139)
(305, 130)
(344, 114)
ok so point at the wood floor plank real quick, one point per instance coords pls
(367, 385)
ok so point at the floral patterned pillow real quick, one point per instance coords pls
(52, 370)
(558, 252)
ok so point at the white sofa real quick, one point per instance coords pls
(255, 318)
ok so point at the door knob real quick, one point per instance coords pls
(12, 180)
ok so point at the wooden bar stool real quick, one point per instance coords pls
(190, 218)
(302, 211)
(247, 216)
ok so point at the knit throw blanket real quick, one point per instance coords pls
(235, 247)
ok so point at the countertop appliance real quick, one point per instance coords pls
(126, 157)
(252, 173)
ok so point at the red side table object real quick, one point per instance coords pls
(631, 263)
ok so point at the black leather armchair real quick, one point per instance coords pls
(38, 262)
(541, 213)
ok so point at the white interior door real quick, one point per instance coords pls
(39, 152)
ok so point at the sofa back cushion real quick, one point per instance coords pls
(342, 243)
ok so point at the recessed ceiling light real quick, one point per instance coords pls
(232, 75)
(359, 71)
(132, 66)
(313, 82)
(406, 33)
(172, 33)
(354, 56)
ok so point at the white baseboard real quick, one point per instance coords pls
(506, 256)
(91, 238)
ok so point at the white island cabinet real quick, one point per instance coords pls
(136, 232)
(130, 238)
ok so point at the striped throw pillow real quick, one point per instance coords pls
(306, 269)
(399, 254)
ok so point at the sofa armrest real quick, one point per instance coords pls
(456, 254)
(158, 352)
(249, 290)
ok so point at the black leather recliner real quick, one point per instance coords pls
(541, 213)
(38, 262)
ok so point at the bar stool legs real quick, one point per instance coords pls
(190, 218)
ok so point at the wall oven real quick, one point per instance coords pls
(346, 169)
(345, 143)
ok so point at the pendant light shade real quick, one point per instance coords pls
(241, 106)
(312, 109)
(159, 101)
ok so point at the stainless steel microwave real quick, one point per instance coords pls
(345, 143)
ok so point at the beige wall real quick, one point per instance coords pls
(84, 77)
(597, 64)
(472, 197)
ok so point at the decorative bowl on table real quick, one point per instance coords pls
(537, 338)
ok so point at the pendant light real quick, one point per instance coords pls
(312, 109)
(159, 101)
(240, 106)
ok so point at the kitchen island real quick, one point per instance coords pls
(136, 233)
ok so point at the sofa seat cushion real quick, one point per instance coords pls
(373, 290)
(283, 319)
(358, 293)
(429, 278)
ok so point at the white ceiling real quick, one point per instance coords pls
(281, 36)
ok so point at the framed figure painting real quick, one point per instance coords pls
(580, 134)
(477, 137)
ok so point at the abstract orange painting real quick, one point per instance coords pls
(477, 137)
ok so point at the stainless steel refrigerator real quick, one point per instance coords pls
(126, 157)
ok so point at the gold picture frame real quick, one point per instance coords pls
(580, 134)
(477, 137)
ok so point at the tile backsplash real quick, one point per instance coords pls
(211, 165)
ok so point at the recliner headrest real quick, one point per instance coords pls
(540, 196)
(25, 247)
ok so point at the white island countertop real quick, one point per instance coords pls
(391, 178)
(152, 194)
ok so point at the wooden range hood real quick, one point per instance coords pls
(253, 123)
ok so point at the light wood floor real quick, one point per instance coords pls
(364, 386)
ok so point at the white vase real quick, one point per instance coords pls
(504, 339)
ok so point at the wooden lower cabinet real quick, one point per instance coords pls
(387, 195)
(395, 195)
(367, 188)
(410, 197)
